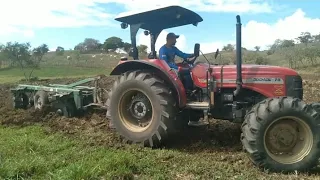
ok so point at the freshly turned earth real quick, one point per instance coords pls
(95, 123)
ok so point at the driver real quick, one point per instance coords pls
(168, 52)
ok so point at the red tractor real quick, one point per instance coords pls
(148, 101)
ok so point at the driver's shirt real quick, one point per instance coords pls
(168, 54)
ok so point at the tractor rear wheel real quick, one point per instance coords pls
(141, 108)
(282, 134)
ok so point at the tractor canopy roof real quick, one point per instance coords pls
(160, 18)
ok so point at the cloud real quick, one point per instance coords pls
(33, 14)
(239, 6)
(264, 34)
(209, 47)
(254, 33)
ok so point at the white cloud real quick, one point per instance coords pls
(208, 47)
(33, 14)
(263, 34)
(239, 6)
(253, 33)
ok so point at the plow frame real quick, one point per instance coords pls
(74, 91)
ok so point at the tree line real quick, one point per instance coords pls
(23, 56)
(299, 52)
(90, 45)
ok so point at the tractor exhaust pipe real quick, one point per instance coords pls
(239, 57)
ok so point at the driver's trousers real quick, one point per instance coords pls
(186, 79)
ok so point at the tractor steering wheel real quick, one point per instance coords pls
(189, 62)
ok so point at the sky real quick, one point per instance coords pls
(68, 22)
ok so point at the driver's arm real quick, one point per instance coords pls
(163, 56)
(182, 54)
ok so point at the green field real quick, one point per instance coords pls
(33, 153)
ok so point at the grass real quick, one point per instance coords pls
(32, 153)
(15, 74)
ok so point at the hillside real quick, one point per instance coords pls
(88, 60)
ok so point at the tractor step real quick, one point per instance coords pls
(202, 121)
(197, 105)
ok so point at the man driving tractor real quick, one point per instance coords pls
(168, 52)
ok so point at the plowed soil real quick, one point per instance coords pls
(94, 125)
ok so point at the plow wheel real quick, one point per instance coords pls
(282, 135)
(316, 106)
(40, 99)
(20, 101)
(141, 108)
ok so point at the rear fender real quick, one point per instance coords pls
(168, 76)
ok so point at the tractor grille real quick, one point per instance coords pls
(294, 86)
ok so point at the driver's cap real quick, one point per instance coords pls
(172, 35)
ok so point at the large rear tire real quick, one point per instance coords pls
(141, 108)
(282, 135)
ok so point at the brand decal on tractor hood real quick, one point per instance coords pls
(254, 80)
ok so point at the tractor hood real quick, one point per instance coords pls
(248, 70)
(253, 69)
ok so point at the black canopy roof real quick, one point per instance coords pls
(162, 18)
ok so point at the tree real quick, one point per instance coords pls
(37, 55)
(100, 46)
(126, 46)
(316, 38)
(113, 43)
(17, 53)
(88, 45)
(261, 60)
(91, 44)
(80, 47)
(305, 38)
(22, 55)
(257, 48)
(142, 48)
(2, 57)
(311, 53)
(287, 43)
(60, 51)
(278, 44)
(250, 57)
(228, 47)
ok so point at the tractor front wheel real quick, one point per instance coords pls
(141, 108)
(282, 134)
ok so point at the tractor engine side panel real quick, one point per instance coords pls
(268, 81)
